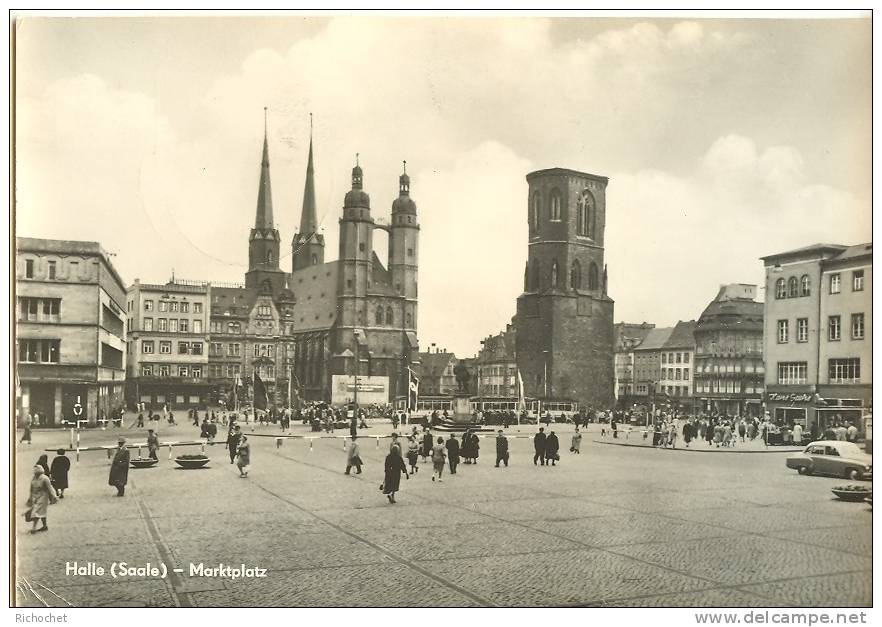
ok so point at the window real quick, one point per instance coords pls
(216, 349)
(857, 326)
(197, 308)
(39, 351)
(585, 218)
(780, 289)
(147, 347)
(52, 268)
(783, 331)
(410, 252)
(197, 326)
(185, 325)
(147, 324)
(857, 281)
(555, 212)
(148, 305)
(664, 358)
(845, 370)
(183, 348)
(534, 212)
(379, 315)
(29, 269)
(835, 283)
(196, 348)
(173, 306)
(196, 372)
(183, 371)
(233, 350)
(576, 275)
(685, 358)
(802, 329)
(834, 328)
(792, 372)
(216, 327)
(554, 274)
(185, 307)
(805, 286)
(792, 287)
(390, 317)
(234, 327)
(163, 324)
(679, 358)
(163, 305)
(685, 374)
(678, 374)
(172, 325)
(165, 348)
(264, 311)
(592, 276)
(146, 371)
(163, 372)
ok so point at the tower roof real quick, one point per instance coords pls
(264, 218)
(404, 203)
(308, 219)
(357, 197)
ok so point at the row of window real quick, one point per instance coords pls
(165, 347)
(586, 214)
(218, 326)
(216, 349)
(792, 288)
(727, 386)
(533, 276)
(671, 358)
(168, 370)
(834, 329)
(675, 374)
(51, 268)
(171, 325)
(39, 351)
(170, 305)
(838, 370)
(724, 368)
(39, 309)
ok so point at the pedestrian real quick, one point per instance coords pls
(576, 442)
(393, 467)
(452, 446)
(466, 450)
(439, 456)
(614, 426)
(539, 446)
(212, 431)
(140, 422)
(742, 429)
(476, 447)
(119, 468)
(58, 472)
(152, 444)
(552, 446)
(797, 434)
(353, 457)
(851, 432)
(501, 449)
(26, 436)
(44, 462)
(41, 495)
(243, 456)
(427, 444)
(413, 452)
(233, 438)
(353, 426)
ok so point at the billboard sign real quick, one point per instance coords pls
(370, 390)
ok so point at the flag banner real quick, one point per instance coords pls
(413, 390)
(260, 397)
(522, 401)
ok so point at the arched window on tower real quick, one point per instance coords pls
(534, 212)
(269, 256)
(585, 221)
(792, 287)
(379, 315)
(576, 275)
(592, 276)
(314, 259)
(534, 282)
(555, 208)
(805, 288)
(390, 318)
(554, 274)
(780, 289)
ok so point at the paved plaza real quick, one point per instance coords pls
(614, 526)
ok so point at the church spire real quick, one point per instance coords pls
(308, 219)
(264, 217)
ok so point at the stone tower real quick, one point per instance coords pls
(263, 241)
(308, 245)
(404, 234)
(564, 320)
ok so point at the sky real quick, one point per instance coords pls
(724, 140)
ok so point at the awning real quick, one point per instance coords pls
(412, 339)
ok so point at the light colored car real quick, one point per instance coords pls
(833, 457)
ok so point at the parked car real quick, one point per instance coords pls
(833, 457)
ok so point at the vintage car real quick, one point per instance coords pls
(833, 457)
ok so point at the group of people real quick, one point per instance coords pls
(47, 486)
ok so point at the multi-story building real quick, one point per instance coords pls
(70, 330)
(436, 373)
(818, 335)
(564, 316)
(168, 344)
(497, 364)
(729, 366)
(647, 364)
(628, 337)
(675, 364)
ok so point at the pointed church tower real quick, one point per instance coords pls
(263, 241)
(308, 245)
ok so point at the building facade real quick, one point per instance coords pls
(818, 335)
(676, 366)
(436, 373)
(647, 365)
(564, 321)
(168, 340)
(628, 337)
(70, 331)
(351, 318)
(497, 364)
(729, 366)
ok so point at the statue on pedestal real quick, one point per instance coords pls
(463, 376)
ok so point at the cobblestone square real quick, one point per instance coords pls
(614, 526)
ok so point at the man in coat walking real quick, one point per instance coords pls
(233, 442)
(152, 444)
(452, 445)
(539, 446)
(501, 449)
(552, 446)
(119, 468)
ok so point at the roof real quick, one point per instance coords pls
(854, 252)
(738, 313)
(67, 247)
(315, 289)
(631, 334)
(682, 336)
(233, 301)
(566, 172)
(655, 339)
(435, 363)
(805, 250)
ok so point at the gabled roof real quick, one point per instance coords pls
(819, 249)
(435, 363)
(655, 339)
(682, 335)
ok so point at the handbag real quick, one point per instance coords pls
(356, 461)
(27, 515)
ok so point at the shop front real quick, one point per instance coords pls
(788, 407)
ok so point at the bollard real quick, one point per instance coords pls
(344, 443)
(203, 448)
(169, 451)
(310, 444)
(139, 450)
(378, 442)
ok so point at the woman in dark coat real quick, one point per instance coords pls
(552, 446)
(44, 462)
(119, 468)
(393, 468)
(58, 472)
(475, 448)
(427, 444)
(466, 448)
